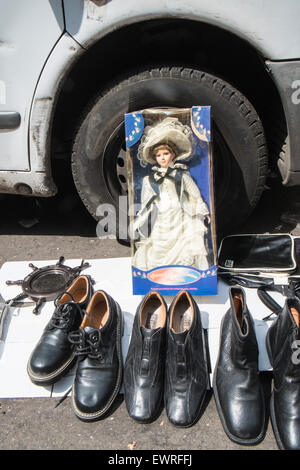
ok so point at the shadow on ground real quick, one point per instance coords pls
(65, 214)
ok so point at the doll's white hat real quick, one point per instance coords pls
(170, 131)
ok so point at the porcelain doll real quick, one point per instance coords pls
(170, 223)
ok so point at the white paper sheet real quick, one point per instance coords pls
(23, 329)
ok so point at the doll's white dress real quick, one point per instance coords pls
(177, 235)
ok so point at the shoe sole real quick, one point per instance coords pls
(52, 378)
(232, 437)
(98, 414)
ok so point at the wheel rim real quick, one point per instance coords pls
(114, 164)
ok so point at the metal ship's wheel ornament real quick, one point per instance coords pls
(45, 284)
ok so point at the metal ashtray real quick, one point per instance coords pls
(45, 284)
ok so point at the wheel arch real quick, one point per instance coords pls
(161, 42)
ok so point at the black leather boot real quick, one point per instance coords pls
(238, 391)
(283, 341)
(53, 356)
(98, 375)
(186, 376)
(144, 366)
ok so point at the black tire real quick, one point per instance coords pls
(239, 147)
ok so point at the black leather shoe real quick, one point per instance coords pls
(238, 391)
(186, 375)
(144, 366)
(98, 376)
(53, 356)
(282, 341)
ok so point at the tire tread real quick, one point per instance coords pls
(222, 88)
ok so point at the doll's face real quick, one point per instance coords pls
(164, 157)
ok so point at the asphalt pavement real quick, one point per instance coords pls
(37, 229)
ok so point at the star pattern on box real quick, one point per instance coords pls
(134, 126)
(201, 122)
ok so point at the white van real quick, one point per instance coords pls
(70, 69)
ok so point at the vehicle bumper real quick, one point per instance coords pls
(27, 183)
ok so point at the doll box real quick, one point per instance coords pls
(171, 200)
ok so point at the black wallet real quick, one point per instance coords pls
(267, 262)
(258, 254)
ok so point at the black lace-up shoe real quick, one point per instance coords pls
(54, 355)
(187, 367)
(144, 366)
(98, 376)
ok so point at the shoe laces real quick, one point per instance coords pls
(63, 312)
(87, 343)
